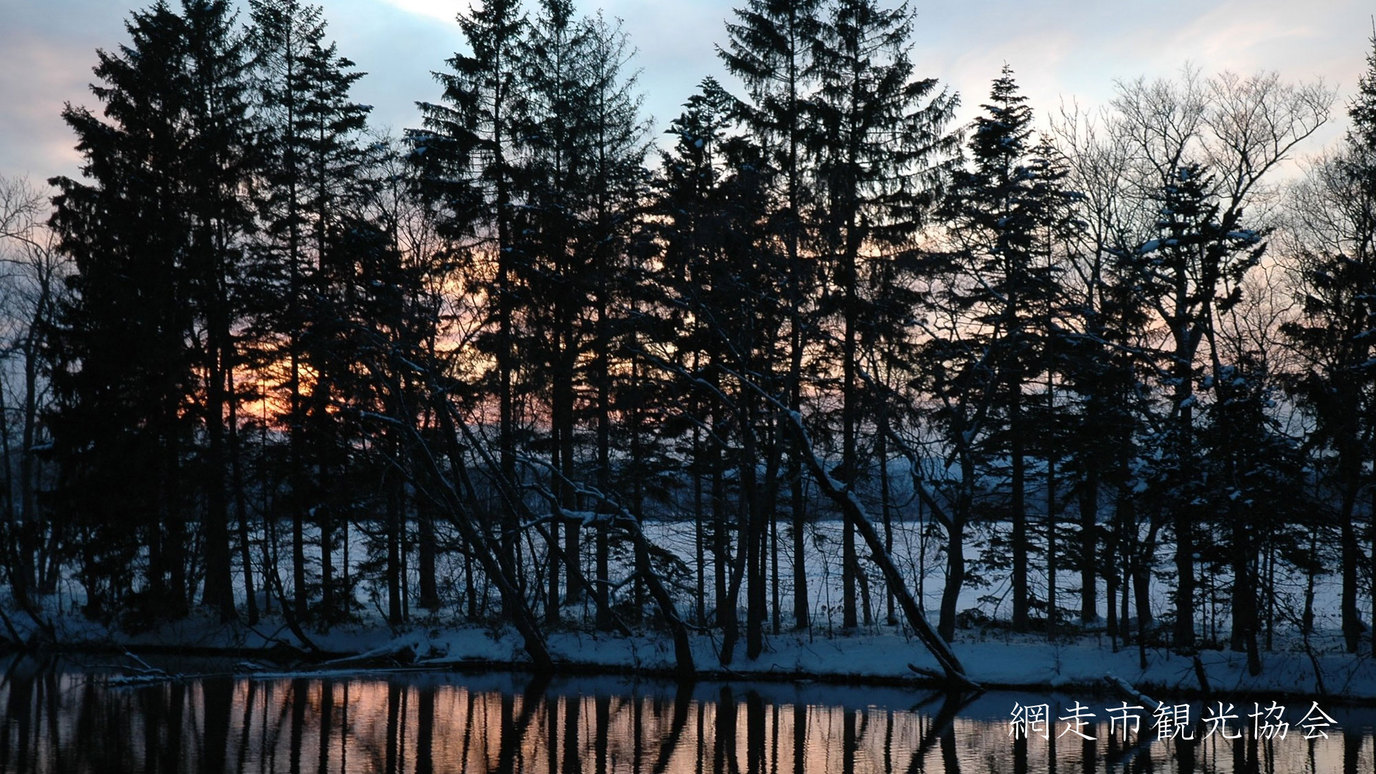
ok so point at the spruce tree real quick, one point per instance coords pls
(1190, 275)
(1009, 222)
(1256, 486)
(882, 153)
(1102, 374)
(467, 154)
(770, 49)
(283, 32)
(553, 175)
(224, 159)
(611, 242)
(144, 347)
(316, 169)
(994, 217)
(581, 178)
(1334, 228)
(686, 186)
(722, 274)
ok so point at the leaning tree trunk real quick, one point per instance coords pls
(856, 517)
(494, 560)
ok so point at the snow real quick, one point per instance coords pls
(1008, 661)
(1153, 245)
(992, 655)
(877, 654)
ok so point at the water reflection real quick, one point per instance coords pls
(64, 718)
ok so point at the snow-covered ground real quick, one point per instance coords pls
(991, 658)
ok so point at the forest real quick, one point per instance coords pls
(535, 363)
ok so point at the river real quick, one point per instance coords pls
(76, 715)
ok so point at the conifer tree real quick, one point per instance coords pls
(467, 154)
(224, 158)
(554, 171)
(609, 233)
(771, 48)
(1099, 363)
(1200, 154)
(1190, 275)
(995, 212)
(1334, 241)
(316, 170)
(1256, 485)
(284, 31)
(689, 177)
(723, 276)
(144, 347)
(882, 153)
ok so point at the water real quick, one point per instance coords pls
(65, 717)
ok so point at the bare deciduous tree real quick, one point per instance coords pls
(29, 287)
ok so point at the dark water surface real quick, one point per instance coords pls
(70, 717)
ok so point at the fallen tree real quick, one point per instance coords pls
(854, 511)
(630, 524)
(493, 561)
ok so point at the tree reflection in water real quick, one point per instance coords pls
(60, 718)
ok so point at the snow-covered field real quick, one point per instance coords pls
(922, 562)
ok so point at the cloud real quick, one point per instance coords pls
(1058, 48)
(397, 50)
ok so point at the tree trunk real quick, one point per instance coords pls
(324, 522)
(1351, 618)
(881, 442)
(219, 588)
(955, 579)
(561, 452)
(850, 420)
(797, 492)
(1089, 518)
(429, 595)
(602, 378)
(1185, 582)
(752, 535)
(1245, 617)
(1051, 549)
(241, 507)
(1018, 505)
(725, 609)
(393, 530)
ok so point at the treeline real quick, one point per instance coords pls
(263, 355)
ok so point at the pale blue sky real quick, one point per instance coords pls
(1059, 49)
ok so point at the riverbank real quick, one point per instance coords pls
(994, 658)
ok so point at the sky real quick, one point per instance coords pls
(1061, 51)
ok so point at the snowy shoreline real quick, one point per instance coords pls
(881, 656)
